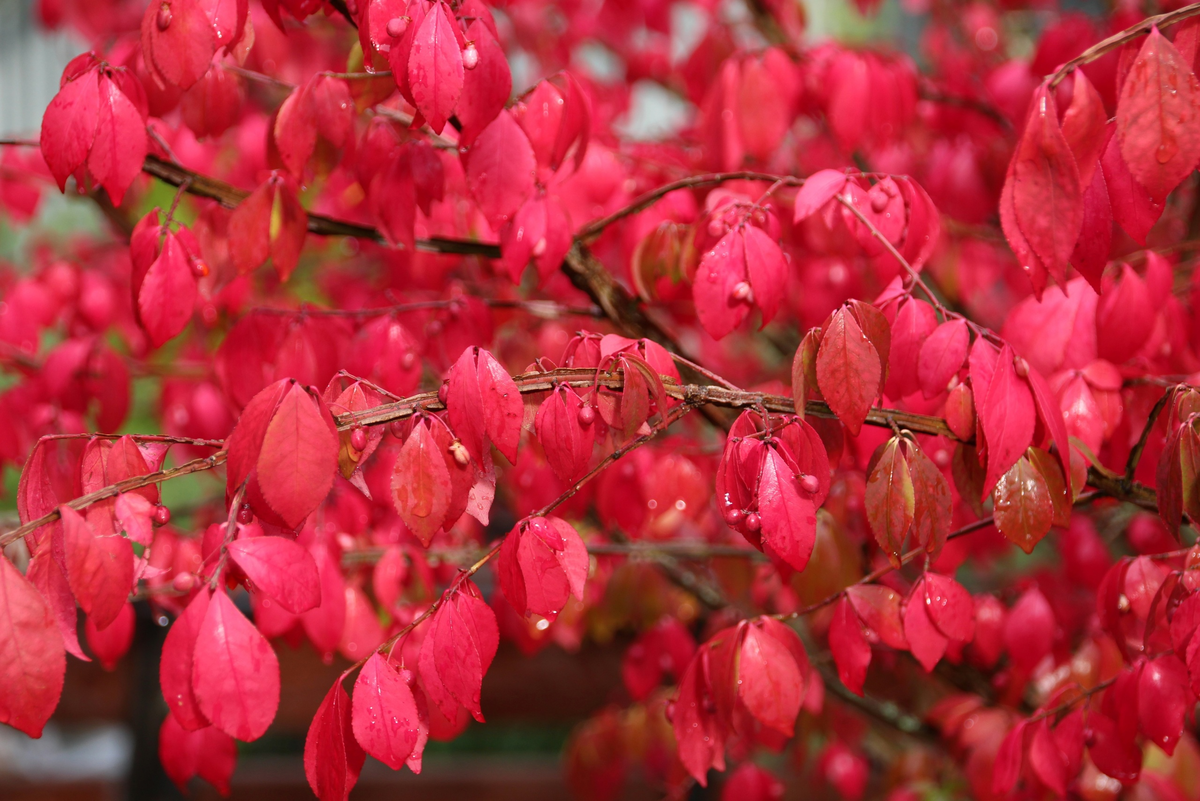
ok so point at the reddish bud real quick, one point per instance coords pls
(163, 20)
(1021, 366)
(752, 522)
(245, 516)
(162, 516)
(358, 439)
(587, 415)
(539, 248)
(184, 582)
(742, 292)
(470, 56)
(397, 26)
(443, 393)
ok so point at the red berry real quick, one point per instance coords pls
(587, 416)
(809, 483)
(162, 516)
(245, 516)
(396, 427)
(358, 439)
(397, 26)
(184, 582)
(163, 20)
(752, 522)
(199, 268)
(443, 392)
(733, 516)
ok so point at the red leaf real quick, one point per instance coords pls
(332, 757)
(294, 130)
(435, 67)
(1029, 630)
(208, 753)
(879, 609)
(769, 680)
(119, 149)
(749, 782)
(69, 125)
(459, 648)
(925, 641)
(1006, 415)
(541, 563)
(32, 660)
(767, 269)
(245, 443)
(1157, 117)
(500, 169)
(788, 515)
(1125, 317)
(1009, 757)
(486, 88)
(270, 223)
(235, 673)
(166, 294)
(942, 356)
(848, 370)
(540, 232)
(280, 568)
(1046, 760)
(45, 574)
(890, 503)
(484, 404)
(914, 324)
(112, 642)
(700, 736)
(1163, 699)
(1085, 127)
(566, 440)
(176, 664)
(99, 568)
(849, 646)
(932, 505)
(1023, 508)
(298, 459)
(819, 188)
(1090, 256)
(421, 488)
(385, 718)
(1047, 195)
(949, 607)
(325, 624)
(721, 288)
(1132, 206)
(177, 46)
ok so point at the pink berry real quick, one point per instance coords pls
(162, 516)
(587, 416)
(809, 483)
(470, 56)
(358, 439)
(459, 452)
(396, 27)
(396, 427)
(539, 248)
(183, 582)
(742, 292)
(443, 393)
(716, 227)
(199, 268)
(879, 202)
(733, 516)
(752, 522)
(1021, 366)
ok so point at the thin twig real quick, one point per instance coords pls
(1106, 46)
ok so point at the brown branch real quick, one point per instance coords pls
(1135, 455)
(1106, 46)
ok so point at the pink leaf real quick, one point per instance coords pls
(99, 568)
(235, 673)
(280, 568)
(332, 757)
(176, 663)
(299, 456)
(384, 713)
(208, 753)
(32, 660)
(435, 67)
